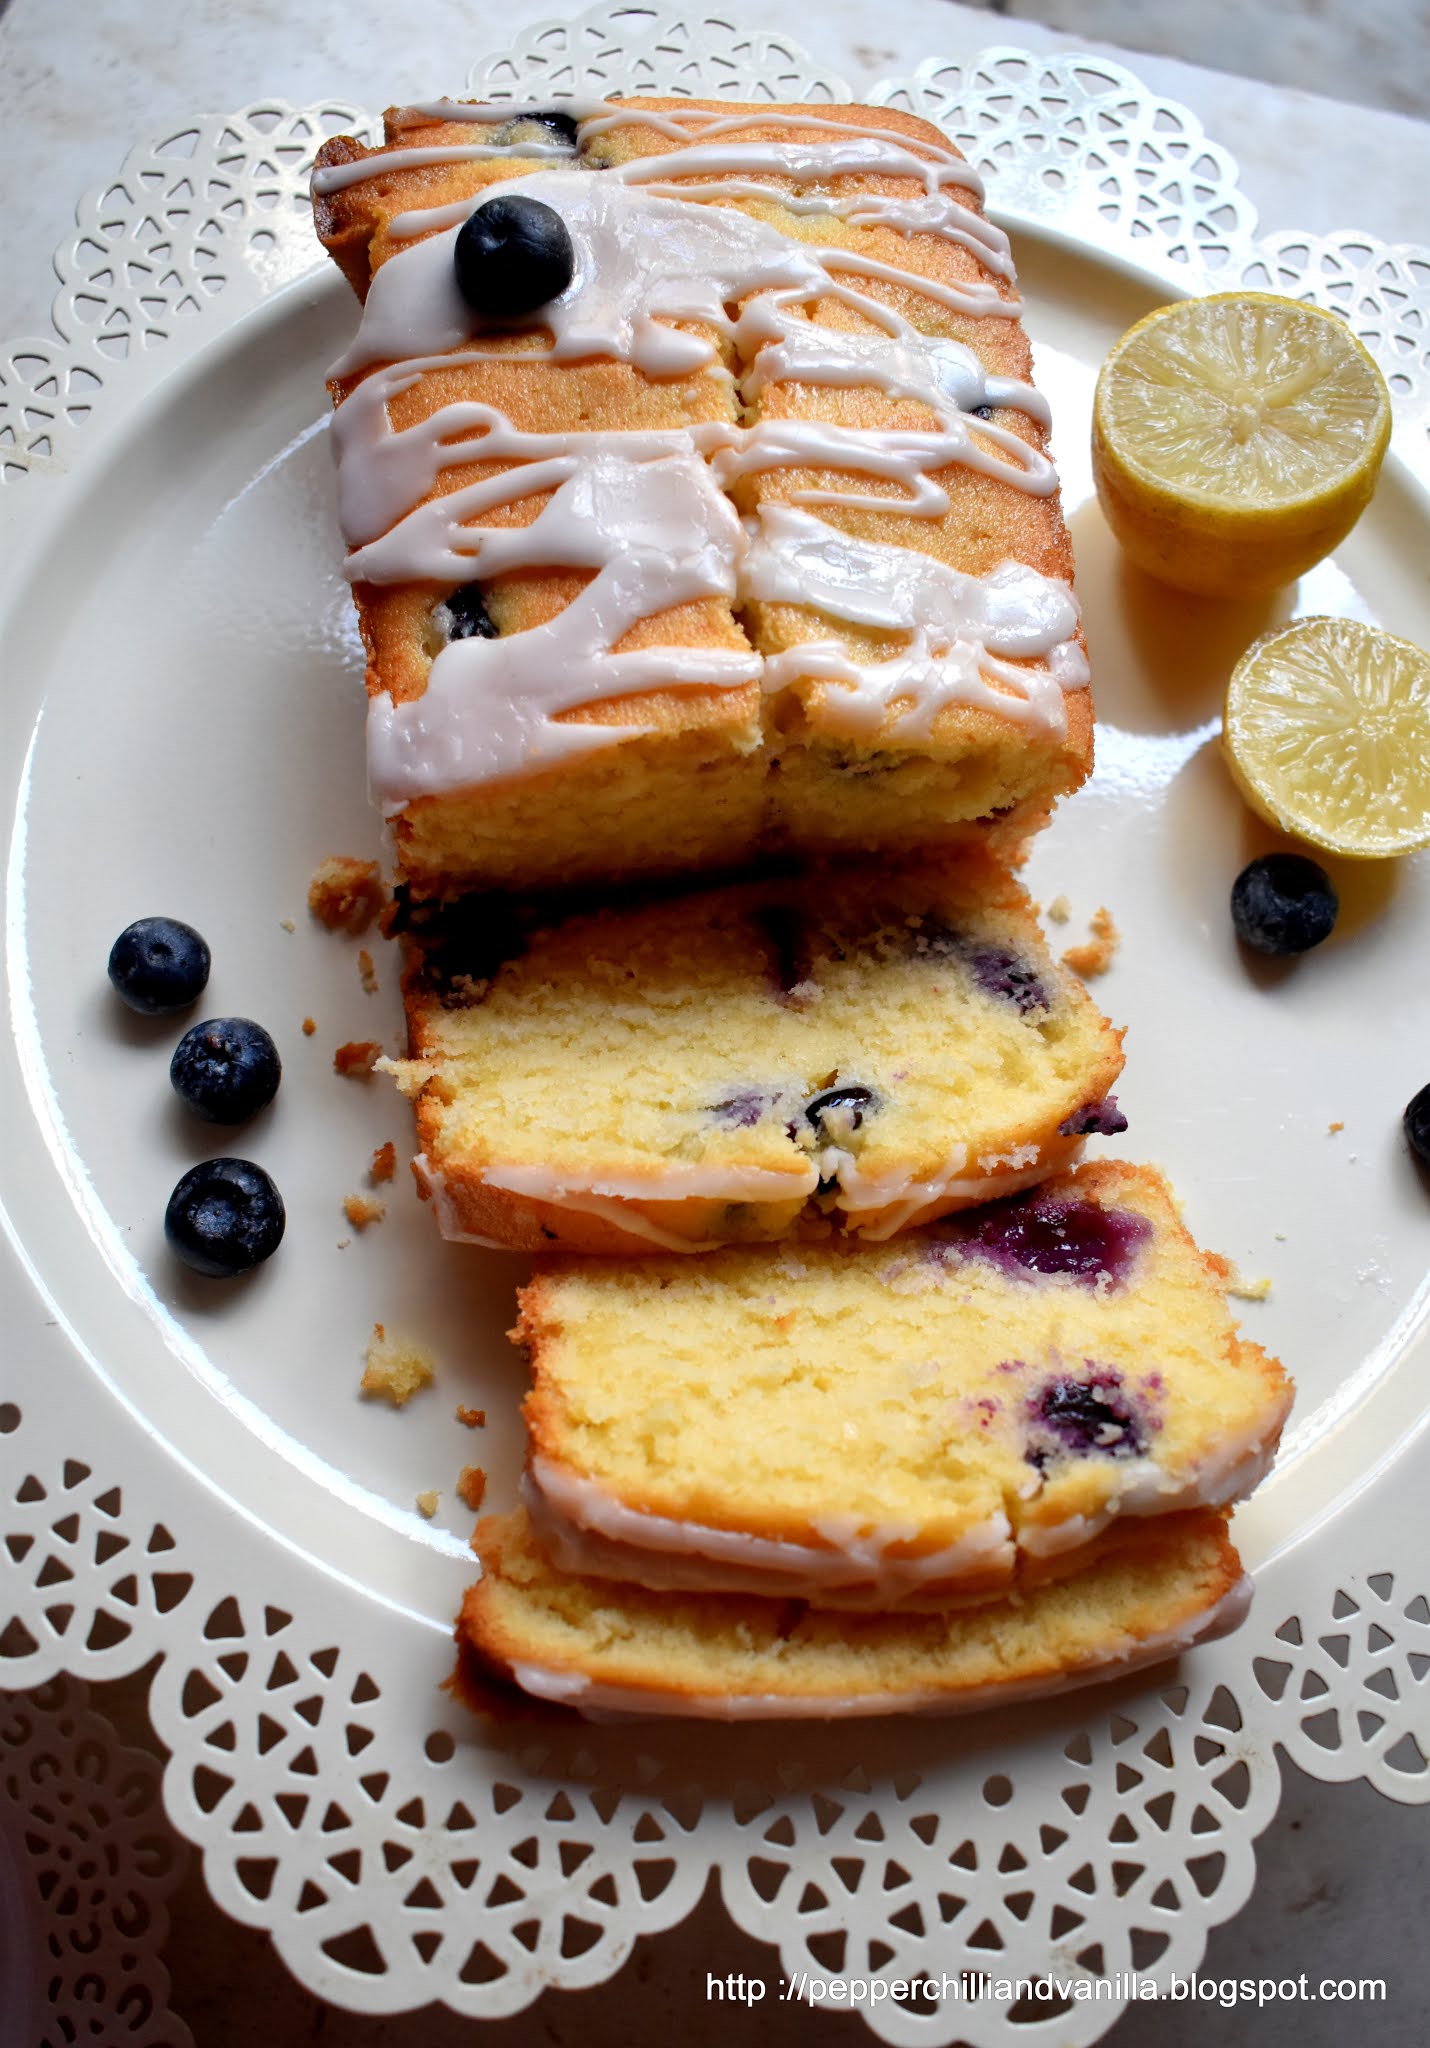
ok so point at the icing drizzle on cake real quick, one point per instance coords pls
(659, 239)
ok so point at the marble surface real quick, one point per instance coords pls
(1343, 1874)
(1376, 52)
(82, 80)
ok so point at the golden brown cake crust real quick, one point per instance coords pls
(1227, 1427)
(705, 1654)
(620, 1199)
(720, 776)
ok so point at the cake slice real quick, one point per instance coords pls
(611, 1649)
(798, 314)
(909, 579)
(864, 1048)
(893, 1425)
(542, 562)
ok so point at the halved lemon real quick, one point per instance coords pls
(1327, 732)
(1236, 440)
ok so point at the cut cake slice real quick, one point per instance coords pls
(746, 1062)
(609, 1649)
(893, 1425)
(799, 314)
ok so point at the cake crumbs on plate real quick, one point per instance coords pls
(357, 1058)
(343, 1243)
(472, 1486)
(383, 1164)
(346, 895)
(1059, 910)
(1331, 1129)
(1096, 954)
(1242, 1289)
(427, 1503)
(393, 1370)
(287, 924)
(310, 1025)
(361, 1210)
(367, 968)
(472, 1418)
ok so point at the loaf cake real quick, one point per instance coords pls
(746, 538)
(887, 1425)
(861, 1049)
(612, 1649)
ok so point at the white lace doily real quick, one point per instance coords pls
(401, 1853)
(88, 1864)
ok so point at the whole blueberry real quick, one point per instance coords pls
(1283, 903)
(512, 255)
(1417, 1124)
(157, 965)
(224, 1217)
(226, 1069)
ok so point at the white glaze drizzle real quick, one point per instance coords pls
(963, 628)
(619, 1211)
(600, 1701)
(658, 534)
(878, 1207)
(679, 1182)
(330, 178)
(940, 373)
(491, 708)
(595, 1532)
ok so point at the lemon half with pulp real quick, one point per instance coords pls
(1327, 731)
(1236, 440)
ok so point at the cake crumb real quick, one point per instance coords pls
(427, 1503)
(361, 1210)
(343, 1243)
(346, 895)
(1096, 954)
(1243, 1289)
(1060, 910)
(384, 1164)
(471, 1486)
(394, 1371)
(368, 970)
(310, 1025)
(1280, 1236)
(357, 1058)
(472, 1418)
(287, 924)
(1331, 1129)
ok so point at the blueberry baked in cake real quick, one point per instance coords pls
(865, 1049)
(697, 497)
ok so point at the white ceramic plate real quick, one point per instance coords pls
(192, 731)
(184, 734)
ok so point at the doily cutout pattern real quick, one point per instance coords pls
(219, 207)
(618, 51)
(85, 1828)
(1079, 143)
(400, 1854)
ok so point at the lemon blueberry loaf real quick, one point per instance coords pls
(611, 1649)
(743, 1062)
(877, 1425)
(696, 495)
